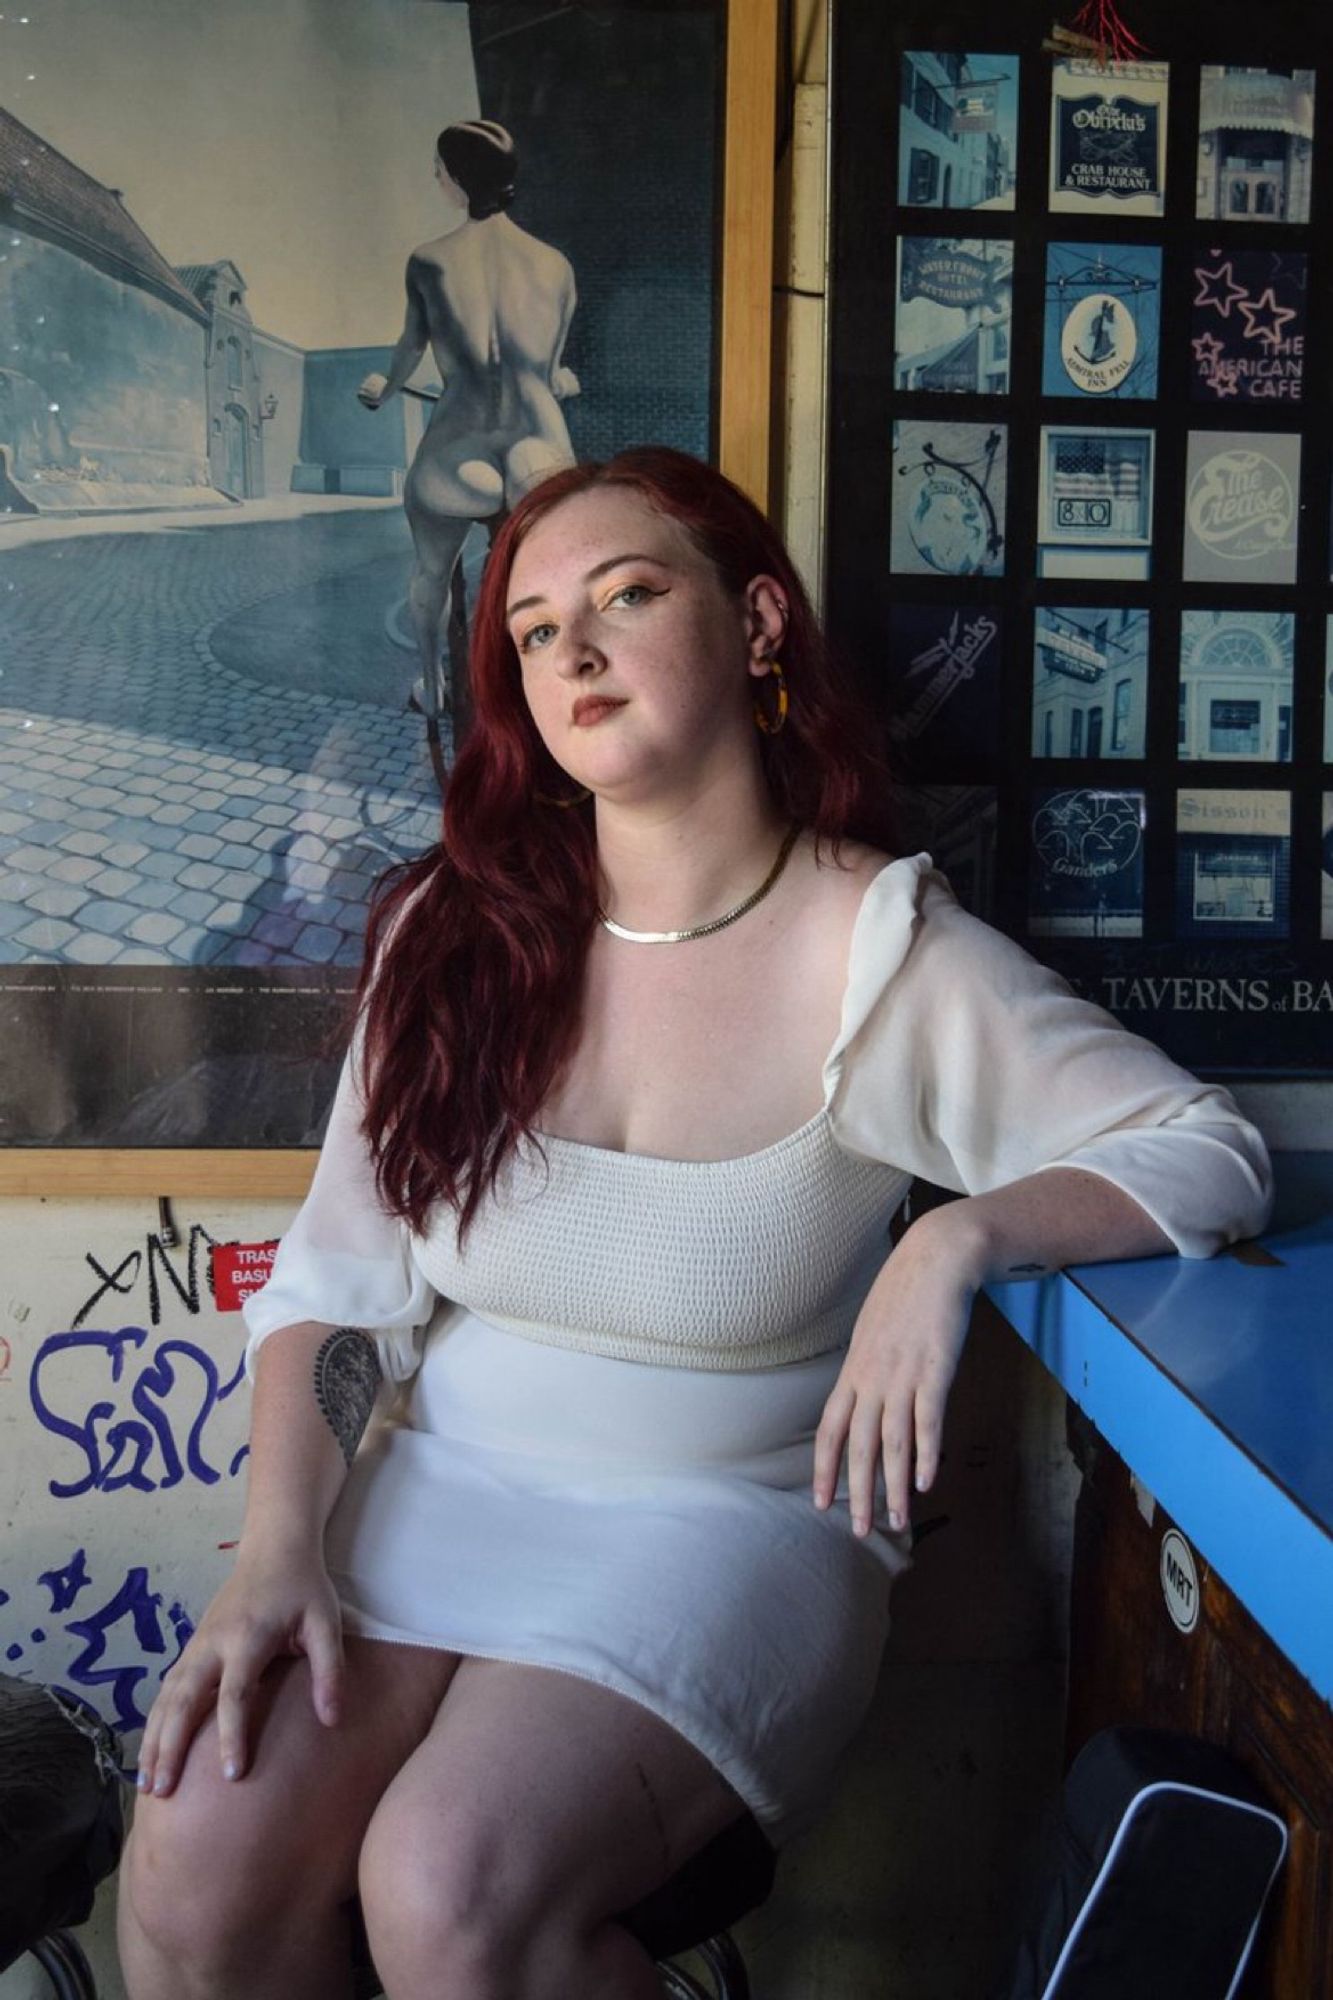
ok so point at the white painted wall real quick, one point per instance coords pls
(123, 1419)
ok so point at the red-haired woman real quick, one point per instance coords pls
(651, 1046)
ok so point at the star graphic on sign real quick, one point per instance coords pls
(1211, 282)
(1223, 382)
(1206, 350)
(1256, 328)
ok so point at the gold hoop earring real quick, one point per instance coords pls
(771, 724)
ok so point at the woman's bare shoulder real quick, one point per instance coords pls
(833, 889)
(845, 876)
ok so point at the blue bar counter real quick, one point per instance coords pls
(1213, 1381)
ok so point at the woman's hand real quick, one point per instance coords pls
(887, 1405)
(276, 1604)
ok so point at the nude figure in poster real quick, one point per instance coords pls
(494, 305)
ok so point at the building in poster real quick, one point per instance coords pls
(1089, 681)
(1326, 870)
(239, 406)
(1242, 491)
(943, 688)
(1101, 330)
(952, 325)
(1094, 502)
(102, 401)
(1235, 685)
(1256, 138)
(1086, 864)
(1233, 864)
(957, 134)
(1247, 326)
(949, 485)
(1108, 137)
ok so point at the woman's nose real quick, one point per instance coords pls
(577, 653)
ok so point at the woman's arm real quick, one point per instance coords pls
(376, 389)
(315, 1389)
(966, 1063)
(888, 1403)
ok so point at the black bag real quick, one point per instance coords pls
(60, 1814)
(1167, 1855)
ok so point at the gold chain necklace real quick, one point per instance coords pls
(717, 923)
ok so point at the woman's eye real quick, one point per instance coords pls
(536, 635)
(632, 593)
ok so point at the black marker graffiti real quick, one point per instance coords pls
(154, 1263)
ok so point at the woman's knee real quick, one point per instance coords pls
(192, 1885)
(448, 1895)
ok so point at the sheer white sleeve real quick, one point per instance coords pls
(963, 1060)
(344, 1260)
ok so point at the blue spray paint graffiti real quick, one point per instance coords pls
(108, 1664)
(158, 1441)
(151, 1451)
(65, 1584)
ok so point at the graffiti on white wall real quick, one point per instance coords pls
(123, 1419)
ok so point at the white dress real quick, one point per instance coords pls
(601, 1456)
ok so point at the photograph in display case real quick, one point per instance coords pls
(958, 130)
(1086, 863)
(1089, 681)
(1242, 501)
(949, 484)
(1247, 326)
(1256, 140)
(1108, 407)
(1108, 137)
(955, 305)
(1095, 502)
(1233, 864)
(943, 692)
(1102, 320)
(957, 825)
(1236, 670)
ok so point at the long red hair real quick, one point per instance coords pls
(478, 947)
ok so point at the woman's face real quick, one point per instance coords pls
(637, 662)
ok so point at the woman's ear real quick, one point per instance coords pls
(765, 621)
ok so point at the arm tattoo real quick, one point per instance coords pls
(1027, 1270)
(347, 1376)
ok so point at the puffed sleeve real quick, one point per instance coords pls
(964, 1061)
(344, 1260)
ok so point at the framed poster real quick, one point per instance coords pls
(1080, 542)
(227, 342)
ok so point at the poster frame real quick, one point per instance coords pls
(743, 379)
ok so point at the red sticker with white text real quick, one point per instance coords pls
(239, 1271)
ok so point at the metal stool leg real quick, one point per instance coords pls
(62, 1959)
(728, 1979)
(677, 1985)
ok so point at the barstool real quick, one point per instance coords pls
(691, 1914)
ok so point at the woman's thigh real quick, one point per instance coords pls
(536, 1792)
(292, 1826)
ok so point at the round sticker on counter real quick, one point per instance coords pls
(1180, 1580)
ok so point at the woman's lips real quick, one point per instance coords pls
(593, 709)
